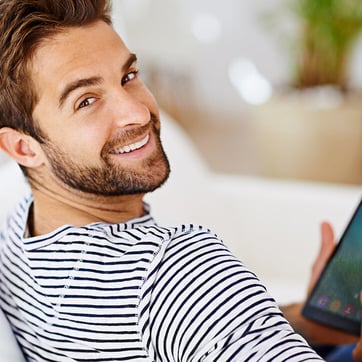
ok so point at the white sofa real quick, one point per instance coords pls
(272, 226)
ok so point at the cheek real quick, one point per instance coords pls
(145, 96)
(83, 144)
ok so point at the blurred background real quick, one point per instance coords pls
(263, 88)
(227, 72)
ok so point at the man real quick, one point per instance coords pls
(86, 273)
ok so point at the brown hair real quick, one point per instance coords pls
(24, 24)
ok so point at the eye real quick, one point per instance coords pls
(87, 102)
(129, 76)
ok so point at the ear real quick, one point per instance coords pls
(24, 149)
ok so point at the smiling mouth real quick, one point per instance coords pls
(132, 147)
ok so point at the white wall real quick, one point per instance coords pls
(161, 31)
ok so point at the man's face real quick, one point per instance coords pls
(101, 122)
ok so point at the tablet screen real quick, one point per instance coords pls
(335, 300)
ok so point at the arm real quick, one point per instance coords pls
(211, 307)
(357, 352)
(315, 333)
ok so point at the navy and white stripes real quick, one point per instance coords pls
(137, 292)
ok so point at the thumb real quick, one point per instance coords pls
(327, 246)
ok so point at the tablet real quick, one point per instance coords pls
(335, 299)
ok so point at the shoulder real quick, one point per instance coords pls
(16, 219)
(185, 238)
(194, 249)
(178, 235)
(193, 232)
(196, 235)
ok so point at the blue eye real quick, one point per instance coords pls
(129, 76)
(87, 102)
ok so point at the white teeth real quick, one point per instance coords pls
(133, 146)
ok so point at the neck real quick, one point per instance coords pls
(52, 210)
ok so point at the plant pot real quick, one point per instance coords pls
(313, 135)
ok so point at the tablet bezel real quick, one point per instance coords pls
(324, 315)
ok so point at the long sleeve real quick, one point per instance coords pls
(205, 305)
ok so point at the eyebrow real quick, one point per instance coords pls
(86, 82)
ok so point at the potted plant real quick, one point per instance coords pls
(328, 32)
(314, 129)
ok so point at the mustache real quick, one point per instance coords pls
(129, 135)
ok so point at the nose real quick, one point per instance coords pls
(130, 108)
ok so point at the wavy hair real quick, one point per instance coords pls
(24, 25)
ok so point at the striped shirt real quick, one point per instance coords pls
(137, 291)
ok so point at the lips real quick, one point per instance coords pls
(133, 146)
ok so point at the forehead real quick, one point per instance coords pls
(75, 53)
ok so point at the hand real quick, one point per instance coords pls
(357, 352)
(316, 333)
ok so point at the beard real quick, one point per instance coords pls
(110, 179)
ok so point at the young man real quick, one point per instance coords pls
(86, 274)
